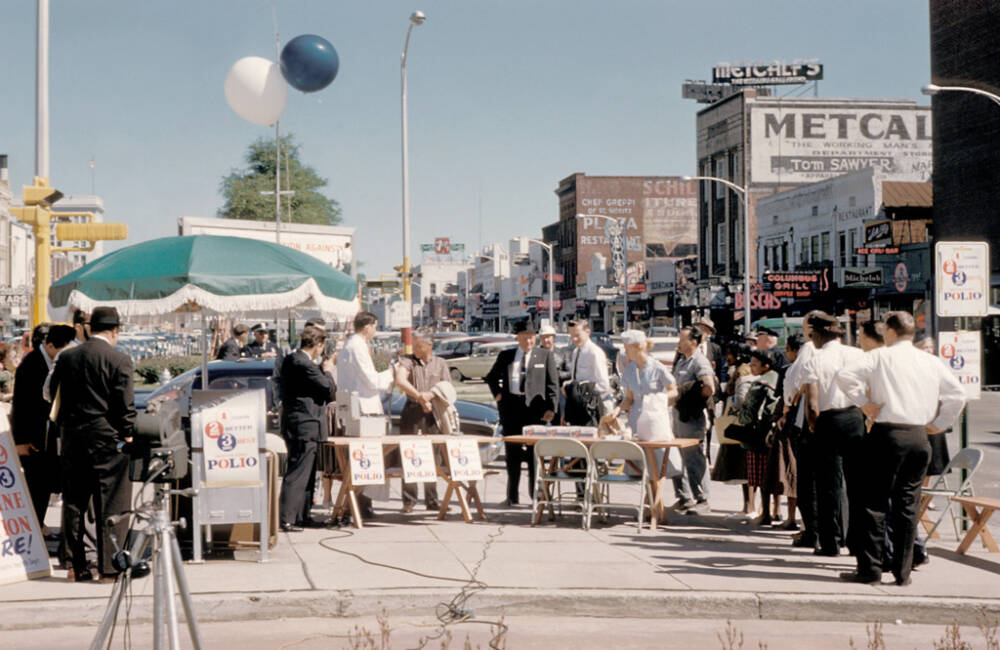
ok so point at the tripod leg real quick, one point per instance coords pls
(185, 593)
(159, 595)
(168, 581)
(110, 615)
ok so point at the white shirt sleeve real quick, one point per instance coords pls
(367, 375)
(598, 361)
(952, 398)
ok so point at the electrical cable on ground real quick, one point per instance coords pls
(447, 613)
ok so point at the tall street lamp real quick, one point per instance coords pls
(416, 18)
(548, 247)
(621, 222)
(934, 89)
(742, 193)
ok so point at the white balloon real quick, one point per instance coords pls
(256, 91)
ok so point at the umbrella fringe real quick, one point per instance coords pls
(307, 295)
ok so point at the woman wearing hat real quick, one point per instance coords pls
(645, 379)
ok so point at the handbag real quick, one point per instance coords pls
(723, 422)
(583, 403)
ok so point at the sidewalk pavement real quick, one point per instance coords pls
(697, 566)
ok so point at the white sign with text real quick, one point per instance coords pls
(963, 352)
(23, 554)
(962, 278)
(464, 461)
(367, 462)
(418, 461)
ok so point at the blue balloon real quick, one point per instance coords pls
(309, 63)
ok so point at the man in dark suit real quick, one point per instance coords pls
(524, 382)
(233, 349)
(92, 388)
(29, 417)
(305, 388)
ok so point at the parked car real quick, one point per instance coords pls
(664, 349)
(480, 359)
(475, 418)
(462, 347)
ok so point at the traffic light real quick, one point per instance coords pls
(36, 211)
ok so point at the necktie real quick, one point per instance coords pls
(524, 367)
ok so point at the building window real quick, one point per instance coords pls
(825, 252)
(842, 247)
(815, 210)
(720, 171)
(854, 248)
(767, 258)
(720, 243)
(851, 201)
(784, 256)
(736, 167)
(815, 249)
(804, 251)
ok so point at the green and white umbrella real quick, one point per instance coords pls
(207, 273)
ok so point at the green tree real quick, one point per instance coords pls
(242, 187)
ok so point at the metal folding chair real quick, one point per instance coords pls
(967, 459)
(550, 473)
(635, 459)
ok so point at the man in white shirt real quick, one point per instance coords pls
(799, 351)
(910, 395)
(838, 438)
(588, 364)
(356, 374)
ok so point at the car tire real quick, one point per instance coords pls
(456, 375)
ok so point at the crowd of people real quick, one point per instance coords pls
(846, 435)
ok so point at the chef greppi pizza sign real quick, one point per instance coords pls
(367, 463)
(23, 553)
(464, 460)
(962, 275)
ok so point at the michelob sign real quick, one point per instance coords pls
(962, 278)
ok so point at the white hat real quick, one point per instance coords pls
(547, 330)
(634, 337)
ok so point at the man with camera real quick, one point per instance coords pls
(695, 383)
(93, 401)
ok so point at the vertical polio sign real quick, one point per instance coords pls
(962, 351)
(464, 460)
(418, 461)
(230, 442)
(23, 554)
(962, 278)
(367, 462)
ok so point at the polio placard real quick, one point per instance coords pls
(962, 351)
(464, 460)
(962, 278)
(418, 461)
(230, 441)
(23, 554)
(367, 462)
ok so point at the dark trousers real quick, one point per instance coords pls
(299, 483)
(897, 462)
(95, 471)
(413, 421)
(514, 455)
(805, 481)
(41, 473)
(839, 463)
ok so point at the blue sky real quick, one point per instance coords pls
(505, 98)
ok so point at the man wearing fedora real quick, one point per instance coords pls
(93, 400)
(524, 382)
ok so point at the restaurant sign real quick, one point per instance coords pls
(797, 284)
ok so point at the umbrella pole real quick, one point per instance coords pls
(204, 352)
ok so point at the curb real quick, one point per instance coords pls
(735, 605)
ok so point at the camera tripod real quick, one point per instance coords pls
(168, 574)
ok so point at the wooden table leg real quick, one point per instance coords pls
(474, 493)
(463, 502)
(355, 508)
(348, 494)
(925, 521)
(979, 518)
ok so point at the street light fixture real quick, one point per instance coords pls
(416, 18)
(552, 320)
(623, 222)
(742, 193)
(934, 89)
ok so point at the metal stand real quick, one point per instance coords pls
(168, 577)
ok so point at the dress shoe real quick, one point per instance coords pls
(860, 578)
(108, 577)
(787, 525)
(803, 542)
(827, 552)
(291, 528)
(312, 523)
(683, 505)
(140, 570)
(507, 503)
(368, 512)
(83, 576)
(433, 506)
(407, 508)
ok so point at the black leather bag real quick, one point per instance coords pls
(583, 404)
